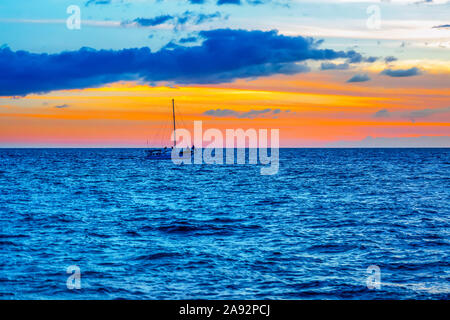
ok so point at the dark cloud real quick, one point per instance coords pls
(359, 78)
(401, 72)
(426, 112)
(383, 113)
(201, 18)
(442, 26)
(188, 40)
(412, 114)
(222, 2)
(199, 2)
(186, 17)
(223, 56)
(153, 21)
(370, 59)
(221, 113)
(274, 2)
(255, 113)
(390, 59)
(356, 57)
(97, 2)
(260, 2)
(334, 66)
(62, 106)
(265, 113)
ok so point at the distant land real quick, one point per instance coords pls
(404, 142)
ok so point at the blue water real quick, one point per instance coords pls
(140, 229)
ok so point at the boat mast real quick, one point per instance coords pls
(173, 115)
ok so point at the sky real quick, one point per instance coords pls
(326, 73)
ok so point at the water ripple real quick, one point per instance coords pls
(141, 229)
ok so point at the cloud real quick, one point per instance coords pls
(403, 44)
(442, 26)
(223, 56)
(426, 112)
(359, 78)
(175, 20)
(221, 113)
(390, 59)
(250, 2)
(401, 72)
(412, 114)
(370, 59)
(266, 113)
(222, 2)
(201, 18)
(334, 66)
(188, 40)
(255, 113)
(383, 113)
(356, 57)
(218, 2)
(182, 19)
(62, 106)
(153, 21)
(97, 2)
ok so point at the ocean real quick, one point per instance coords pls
(142, 229)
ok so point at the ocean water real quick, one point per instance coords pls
(141, 229)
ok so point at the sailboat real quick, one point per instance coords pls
(163, 153)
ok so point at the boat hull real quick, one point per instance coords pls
(165, 155)
(158, 154)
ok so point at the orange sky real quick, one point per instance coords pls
(315, 109)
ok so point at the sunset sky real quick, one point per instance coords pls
(322, 72)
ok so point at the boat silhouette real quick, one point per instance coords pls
(166, 153)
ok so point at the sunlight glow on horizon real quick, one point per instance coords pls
(127, 114)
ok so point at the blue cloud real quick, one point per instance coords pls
(390, 59)
(264, 113)
(221, 2)
(427, 112)
(401, 72)
(62, 106)
(153, 21)
(221, 113)
(442, 26)
(178, 20)
(188, 40)
(97, 2)
(257, 2)
(202, 17)
(383, 113)
(356, 57)
(223, 56)
(334, 66)
(412, 114)
(359, 78)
